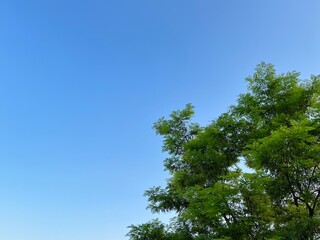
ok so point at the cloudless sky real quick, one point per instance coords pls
(81, 83)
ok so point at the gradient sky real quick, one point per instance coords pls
(81, 83)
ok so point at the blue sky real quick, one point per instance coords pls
(81, 83)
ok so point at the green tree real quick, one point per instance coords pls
(275, 130)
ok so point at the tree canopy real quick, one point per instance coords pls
(274, 129)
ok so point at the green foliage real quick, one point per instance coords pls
(274, 129)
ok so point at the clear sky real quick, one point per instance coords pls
(81, 83)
